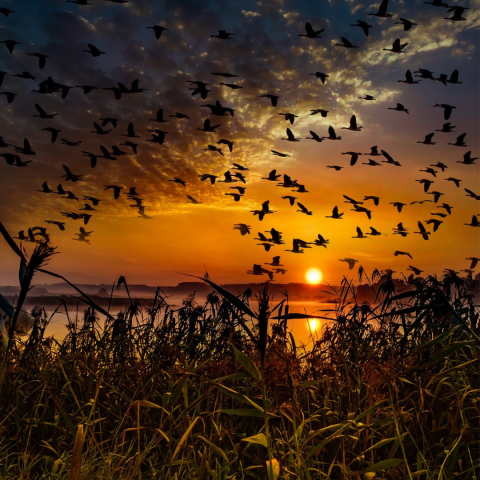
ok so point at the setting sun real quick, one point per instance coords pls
(313, 276)
(313, 324)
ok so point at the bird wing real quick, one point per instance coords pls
(396, 44)
(40, 110)
(461, 137)
(353, 122)
(97, 127)
(359, 232)
(331, 132)
(335, 211)
(309, 29)
(67, 170)
(302, 207)
(387, 156)
(382, 9)
(290, 134)
(345, 41)
(428, 138)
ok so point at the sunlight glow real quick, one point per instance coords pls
(313, 324)
(314, 276)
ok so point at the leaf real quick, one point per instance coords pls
(22, 271)
(311, 383)
(10, 241)
(6, 307)
(441, 337)
(383, 465)
(383, 442)
(273, 469)
(183, 439)
(239, 396)
(245, 412)
(3, 332)
(297, 316)
(449, 350)
(147, 404)
(247, 364)
(259, 439)
(217, 449)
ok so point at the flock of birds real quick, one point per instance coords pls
(237, 172)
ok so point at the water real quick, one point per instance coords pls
(303, 330)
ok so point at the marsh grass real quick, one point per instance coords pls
(388, 391)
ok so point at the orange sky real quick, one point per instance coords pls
(269, 57)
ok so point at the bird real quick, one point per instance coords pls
(279, 154)
(25, 75)
(447, 207)
(60, 225)
(192, 200)
(10, 96)
(335, 167)
(367, 97)
(42, 59)
(346, 43)
(446, 128)
(360, 234)
(429, 170)
(457, 13)
(382, 10)
(423, 232)
(303, 209)
(332, 135)
(272, 176)
(409, 78)
(275, 262)
(374, 233)
(460, 141)
(314, 136)
(426, 183)
(158, 30)
(295, 247)
(320, 111)
(159, 117)
(440, 165)
(335, 214)
(436, 195)
(415, 270)
(223, 141)
(236, 196)
(116, 190)
(428, 139)
(456, 181)
(289, 117)
(436, 223)
(407, 24)
(374, 152)
(400, 230)
(86, 88)
(398, 205)
(207, 127)
(6, 11)
(213, 148)
(290, 136)
(243, 228)
(69, 143)
(389, 159)
(351, 200)
(363, 25)
(351, 262)
(290, 199)
(376, 200)
(180, 115)
(399, 108)
(353, 125)
(474, 261)
(10, 44)
(454, 78)
(264, 211)
(474, 222)
(69, 176)
(42, 113)
(320, 241)
(99, 130)
(436, 3)
(447, 109)
(397, 47)
(207, 176)
(467, 159)
(273, 98)
(322, 76)
(93, 50)
(178, 180)
(223, 35)
(357, 208)
(259, 270)
(472, 194)
(93, 200)
(310, 32)
(233, 86)
(398, 252)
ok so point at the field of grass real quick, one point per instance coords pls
(217, 391)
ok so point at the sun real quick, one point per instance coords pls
(313, 324)
(313, 276)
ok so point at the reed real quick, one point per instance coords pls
(217, 390)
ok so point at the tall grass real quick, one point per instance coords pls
(216, 390)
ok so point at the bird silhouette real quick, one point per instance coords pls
(290, 136)
(363, 25)
(398, 252)
(350, 261)
(69, 176)
(474, 222)
(332, 135)
(428, 139)
(243, 228)
(467, 159)
(158, 30)
(10, 44)
(192, 200)
(398, 205)
(423, 232)
(353, 125)
(346, 43)
(273, 98)
(382, 10)
(397, 47)
(93, 50)
(335, 214)
(314, 136)
(447, 109)
(359, 234)
(322, 76)
(454, 77)
(310, 32)
(460, 141)
(223, 35)
(42, 113)
(407, 24)
(223, 141)
(399, 108)
(409, 78)
(303, 209)
(320, 111)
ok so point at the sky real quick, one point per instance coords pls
(269, 57)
